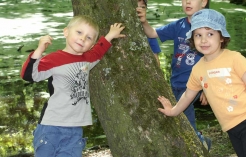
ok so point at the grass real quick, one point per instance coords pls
(221, 145)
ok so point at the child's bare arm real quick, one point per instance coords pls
(203, 99)
(181, 105)
(115, 31)
(148, 29)
(141, 11)
(44, 42)
(244, 78)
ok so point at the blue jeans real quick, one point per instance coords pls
(189, 111)
(56, 141)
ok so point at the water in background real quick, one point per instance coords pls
(22, 24)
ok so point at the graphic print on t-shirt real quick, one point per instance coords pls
(190, 56)
(79, 90)
(227, 91)
(190, 59)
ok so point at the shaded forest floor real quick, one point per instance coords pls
(221, 145)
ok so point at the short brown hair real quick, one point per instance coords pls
(224, 44)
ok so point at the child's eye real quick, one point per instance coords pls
(197, 35)
(89, 38)
(78, 32)
(210, 34)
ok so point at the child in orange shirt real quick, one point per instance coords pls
(221, 74)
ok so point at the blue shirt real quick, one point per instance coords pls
(183, 58)
(154, 45)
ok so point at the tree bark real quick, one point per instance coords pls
(124, 87)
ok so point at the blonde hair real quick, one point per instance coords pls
(84, 19)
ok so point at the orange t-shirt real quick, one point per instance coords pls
(221, 81)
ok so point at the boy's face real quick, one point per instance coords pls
(141, 4)
(192, 6)
(79, 38)
(207, 41)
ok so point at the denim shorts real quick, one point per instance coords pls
(57, 141)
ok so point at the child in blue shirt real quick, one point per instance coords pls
(153, 42)
(183, 57)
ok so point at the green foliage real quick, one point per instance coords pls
(16, 119)
(239, 2)
(12, 142)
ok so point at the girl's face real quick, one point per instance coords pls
(208, 42)
(79, 38)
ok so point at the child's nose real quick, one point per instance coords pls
(204, 39)
(82, 37)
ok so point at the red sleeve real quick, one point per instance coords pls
(94, 54)
(98, 50)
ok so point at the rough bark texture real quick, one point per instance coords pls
(124, 88)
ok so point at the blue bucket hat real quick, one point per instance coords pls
(208, 18)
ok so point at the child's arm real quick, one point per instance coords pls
(185, 100)
(27, 68)
(203, 99)
(244, 78)
(44, 42)
(148, 30)
(154, 45)
(115, 31)
(103, 44)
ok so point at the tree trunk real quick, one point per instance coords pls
(124, 88)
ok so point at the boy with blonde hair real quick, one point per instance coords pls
(59, 132)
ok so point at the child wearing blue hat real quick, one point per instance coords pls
(220, 73)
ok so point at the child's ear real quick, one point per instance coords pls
(65, 31)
